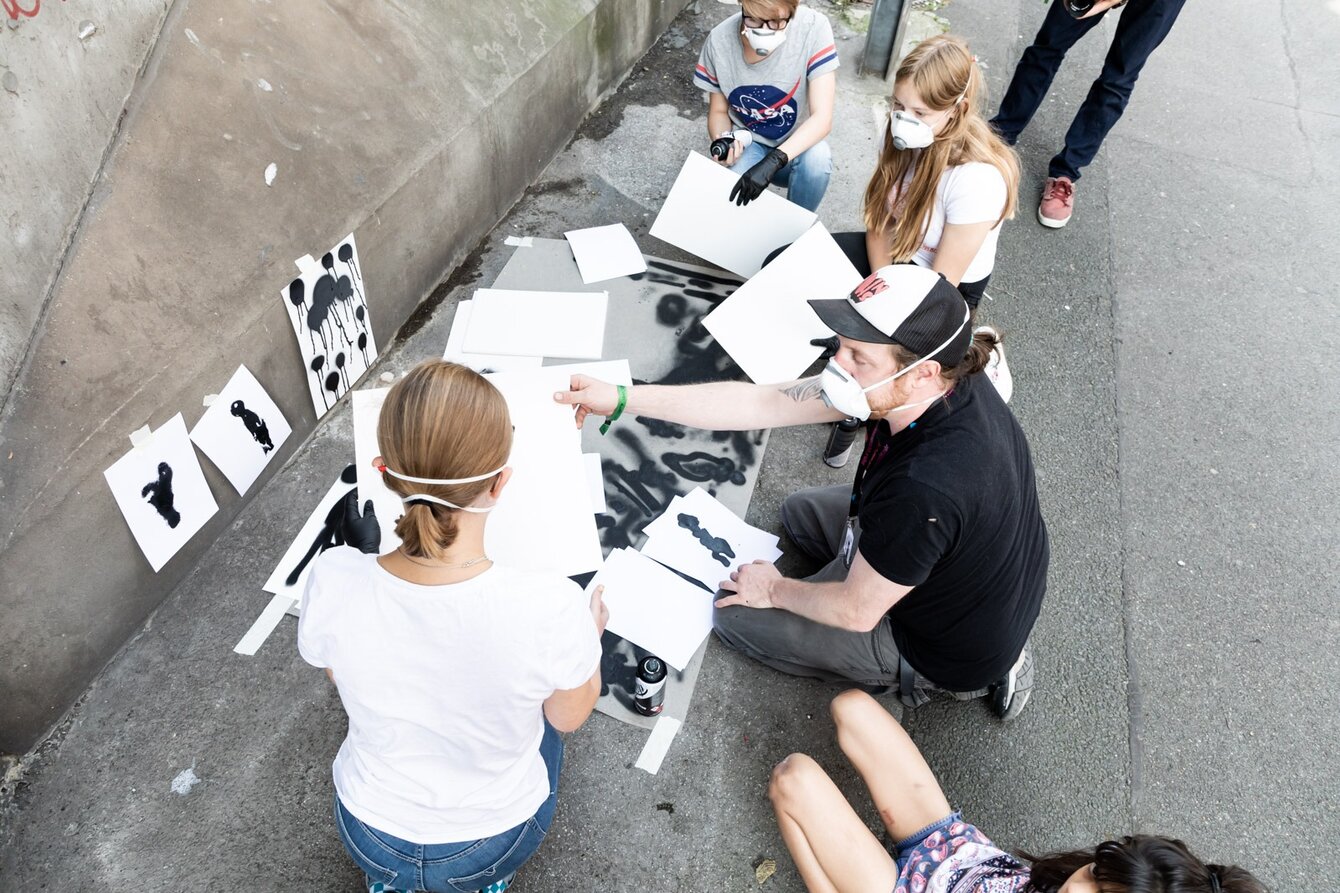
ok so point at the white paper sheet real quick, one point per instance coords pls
(699, 217)
(595, 482)
(242, 430)
(537, 323)
(767, 324)
(480, 362)
(658, 744)
(654, 608)
(605, 252)
(609, 371)
(316, 535)
(328, 308)
(162, 492)
(367, 406)
(264, 625)
(543, 521)
(700, 537)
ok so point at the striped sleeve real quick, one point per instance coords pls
(704, 74)
(823, 56)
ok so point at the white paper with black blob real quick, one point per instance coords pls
(242, 430)
(162, 492)
(328, 307)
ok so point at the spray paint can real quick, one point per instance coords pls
(649, 698)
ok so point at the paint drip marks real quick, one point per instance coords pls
(335, 315)
(159, 494)
(185, 780)
(720, 549)
(255, 425)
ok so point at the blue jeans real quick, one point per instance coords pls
(452, 867)
(1142, 27)
(805, 177)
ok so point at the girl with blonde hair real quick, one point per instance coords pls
(945, 182)
(457, 674)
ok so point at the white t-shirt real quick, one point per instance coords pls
(444, 687)
(974, 192)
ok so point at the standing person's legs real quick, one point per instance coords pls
(1036, 69)
(814, 519)
(1142, 27)
(806, 176)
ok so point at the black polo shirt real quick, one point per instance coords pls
(949, 506)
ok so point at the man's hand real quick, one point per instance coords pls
(589, 395)
(362, 532)
(751, 185)
(599, 613)
(750, 585)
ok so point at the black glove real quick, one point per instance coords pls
(756, 179)
(829, 344)
(361, 532)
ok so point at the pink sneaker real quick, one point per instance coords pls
(1058, 202)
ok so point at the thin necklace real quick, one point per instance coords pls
(471, 563)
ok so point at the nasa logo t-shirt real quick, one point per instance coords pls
(770, 97)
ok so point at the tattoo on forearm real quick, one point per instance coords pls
(805, 389)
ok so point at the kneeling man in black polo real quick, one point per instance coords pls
(936, 556)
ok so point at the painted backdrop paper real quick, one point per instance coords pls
(321, 531)
(162, 492)
(242, 430)
(699, 217)
(328, 307)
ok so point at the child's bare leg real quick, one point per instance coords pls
(833, 849)
(903, 787)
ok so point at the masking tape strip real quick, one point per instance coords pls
(520, 241)
(209, 400)
(264, 625)
(657, 744)
(141, 437)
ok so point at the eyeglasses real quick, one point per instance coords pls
(771, 24)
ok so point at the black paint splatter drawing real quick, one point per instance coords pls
(720, 549)
(260, 432)
(159, 494)
(329, 312)
(331, 533)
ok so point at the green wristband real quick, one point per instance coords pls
(618, 409)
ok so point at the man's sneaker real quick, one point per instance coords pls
(1058, 202)
(998, 368)
(840, 440)
(1009, 695)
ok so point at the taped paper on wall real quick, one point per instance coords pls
(242, 431)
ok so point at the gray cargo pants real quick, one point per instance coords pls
(815, 520)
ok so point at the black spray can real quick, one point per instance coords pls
(649, 698)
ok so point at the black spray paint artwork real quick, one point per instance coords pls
(331, 533)
(720, 549)
(260, 432)
(329, 311)
(159, 494)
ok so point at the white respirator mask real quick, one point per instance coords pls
(764, 40)
(843, 392)
(428, 497)
(910, 132)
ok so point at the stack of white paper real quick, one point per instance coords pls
(480, 362)
(605, 252)
(699, 217)
(700, 537)
(653, 608)
(767, 324)
(537, 323)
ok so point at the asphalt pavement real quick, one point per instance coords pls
(1174, 352)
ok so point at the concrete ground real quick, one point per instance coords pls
(1173, 351)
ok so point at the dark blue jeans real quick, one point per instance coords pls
(452, 867)
(1142, 27)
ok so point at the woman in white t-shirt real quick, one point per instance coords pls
(945, 181)
(457, 674)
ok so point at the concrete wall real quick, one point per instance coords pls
(415, 125)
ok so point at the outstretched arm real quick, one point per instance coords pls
(716, 406)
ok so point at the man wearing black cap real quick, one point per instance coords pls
(937, 555)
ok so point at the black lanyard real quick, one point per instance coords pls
(867, 459)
